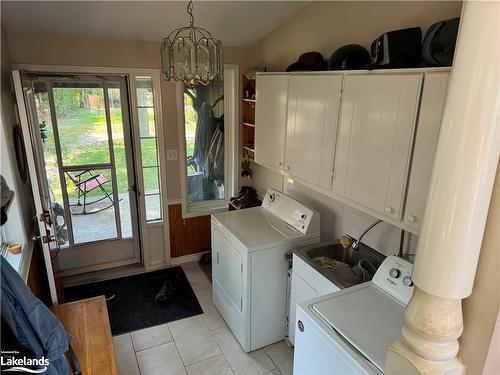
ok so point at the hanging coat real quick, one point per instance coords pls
(205, 128)
(214, 164)
(31, 322)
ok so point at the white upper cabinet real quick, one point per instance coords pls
(424, 150)
(313, 108)
(355, 136)
(374, 140)
(270, 120)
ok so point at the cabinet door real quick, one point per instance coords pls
(270, 120)
(424, 149)
(374, 141)
(313, 108)
(228, 268)
(301, 292)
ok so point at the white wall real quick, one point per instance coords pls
(338, 219)
(481, 310)
(20, 221)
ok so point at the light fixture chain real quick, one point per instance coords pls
(190, 12)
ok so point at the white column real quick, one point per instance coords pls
(460, 193)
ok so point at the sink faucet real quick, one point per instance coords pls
(355, 244)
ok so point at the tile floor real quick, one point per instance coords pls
(200, 345)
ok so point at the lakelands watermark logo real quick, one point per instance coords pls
(12, 363)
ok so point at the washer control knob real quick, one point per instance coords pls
(272, 197)
(407, 281)
(394, 273)
(303, 216)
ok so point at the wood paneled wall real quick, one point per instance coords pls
(37, 275)
(188, 236)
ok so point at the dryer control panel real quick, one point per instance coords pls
(288, 209)
(394, 277)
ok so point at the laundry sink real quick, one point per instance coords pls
(343, 266)
(346, 255)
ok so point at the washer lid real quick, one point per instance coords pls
(366, 317)
(259, 228)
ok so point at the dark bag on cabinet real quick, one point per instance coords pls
(397, 49)
(439, 43)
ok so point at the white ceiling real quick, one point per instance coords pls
(235, 23)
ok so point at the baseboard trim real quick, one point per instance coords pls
(187, 258)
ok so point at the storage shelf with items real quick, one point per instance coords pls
(248, 117)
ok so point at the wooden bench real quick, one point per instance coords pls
(88, 322)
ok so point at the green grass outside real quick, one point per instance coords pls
(83, 138)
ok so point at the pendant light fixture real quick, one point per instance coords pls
(191, 55)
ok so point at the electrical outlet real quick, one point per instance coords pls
(172, 155)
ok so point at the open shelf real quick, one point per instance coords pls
(248, 117)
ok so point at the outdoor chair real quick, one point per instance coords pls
(86, 184)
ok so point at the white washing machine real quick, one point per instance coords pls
(349, 332)
(249, 268)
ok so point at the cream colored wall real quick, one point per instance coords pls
(492, 364)
(481, 309)
(60, 50)
(326, 25)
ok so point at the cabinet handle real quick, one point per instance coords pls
(389, 210)
(280, 164)
(411, 219)
(217, 257)
(287, 167)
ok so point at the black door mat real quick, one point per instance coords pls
(134, 306)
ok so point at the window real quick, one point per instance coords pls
(209, 139)
(148, 135)
(204, 133)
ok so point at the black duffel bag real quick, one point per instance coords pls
(439, 43)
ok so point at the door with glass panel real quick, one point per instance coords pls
(81, 132)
